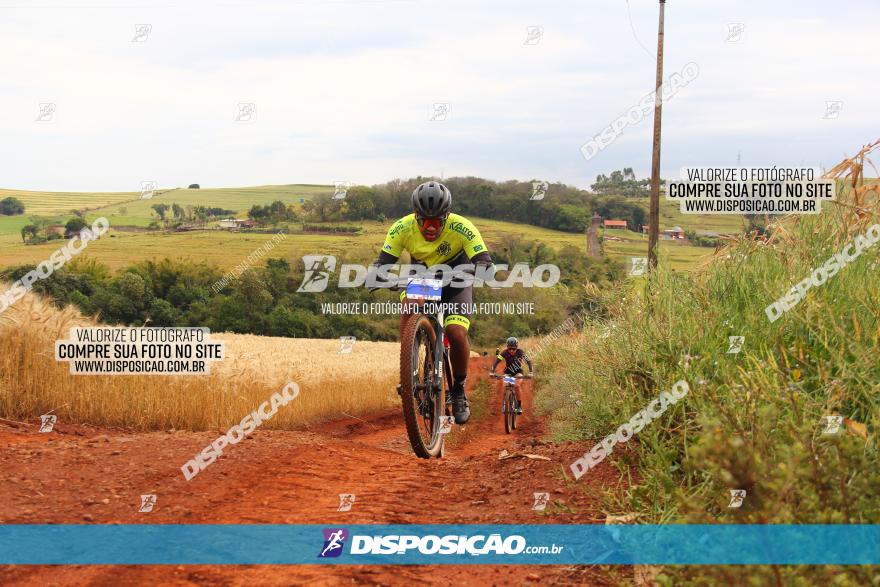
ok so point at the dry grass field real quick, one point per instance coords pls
(32, 382)
(39, 203)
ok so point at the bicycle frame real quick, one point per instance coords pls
(509, 389)
(441, 353)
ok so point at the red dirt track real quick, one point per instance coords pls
(78, 475)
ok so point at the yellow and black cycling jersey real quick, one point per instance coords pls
(458, 235)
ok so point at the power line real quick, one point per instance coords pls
(635, 36)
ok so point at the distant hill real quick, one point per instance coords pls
(226, 249)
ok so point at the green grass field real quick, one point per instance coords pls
(722, 223)
(680, 256)
(139, 212)
(12, 225)
(226, 249)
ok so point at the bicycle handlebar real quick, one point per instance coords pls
(469, 269)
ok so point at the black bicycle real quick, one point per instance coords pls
(425, 372)
(508, 401)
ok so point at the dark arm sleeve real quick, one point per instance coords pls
(372, 280)
(481, 258)
(386, 259)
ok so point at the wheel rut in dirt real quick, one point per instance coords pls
(79, 475)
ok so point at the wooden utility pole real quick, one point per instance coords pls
(593, 248)
(654, 215)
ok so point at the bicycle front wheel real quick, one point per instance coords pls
(422, 397)
(509, 409)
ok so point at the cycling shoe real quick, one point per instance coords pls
(460, 408)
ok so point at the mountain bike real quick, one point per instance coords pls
(425, 372)
(508, 401)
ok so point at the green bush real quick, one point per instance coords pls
(11, 206)
(752, 420)
(347, 229)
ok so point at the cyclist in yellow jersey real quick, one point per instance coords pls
(434, 236)
(457, 235)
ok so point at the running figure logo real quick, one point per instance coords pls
(735, 32)
(334, 541)
(142, 33)
(245, 112)
(346, 344)
(45, 112)
(47, 422)
(446, 424)
(148, 189)
(539, 190)
(533, 35)
(148, 502)
(737, 496)
(832, 424)
(318, 269)
(341, 190)
(832, 109)
(346, 500)
(735, 344)
(439, 112)
(541, 501)
(639, 266)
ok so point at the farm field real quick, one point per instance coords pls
(139, 212)
(670, 216)
(55, 203)
(680, 256)
(331, 384)
(12, 225)
(228, 249)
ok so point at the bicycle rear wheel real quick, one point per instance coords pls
(422, 397)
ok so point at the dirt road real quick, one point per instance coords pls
(81, 475)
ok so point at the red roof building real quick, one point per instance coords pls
(615, 224)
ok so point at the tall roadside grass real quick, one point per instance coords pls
(331, 384)
(753, 420)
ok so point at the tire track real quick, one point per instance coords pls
(280, 477)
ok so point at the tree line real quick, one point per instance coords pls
(562, 207)
(188, 213)
(41, 230)
(264, 299)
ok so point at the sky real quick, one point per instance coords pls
(252, 93)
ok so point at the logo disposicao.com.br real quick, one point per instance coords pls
(334, 541)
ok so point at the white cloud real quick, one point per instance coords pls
(343, 90)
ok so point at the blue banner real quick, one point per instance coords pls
(23, 544)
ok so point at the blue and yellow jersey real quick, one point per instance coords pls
(458, 234)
